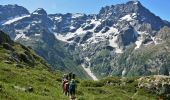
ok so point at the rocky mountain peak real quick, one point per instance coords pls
(120, 10)
(130, 11)
(134, 2)
(40, 12)
(11, 11)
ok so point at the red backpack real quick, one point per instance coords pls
(66, 86)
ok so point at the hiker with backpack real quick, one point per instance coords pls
(66, 88)
(64, 80)
(72, 89)
(69, 85)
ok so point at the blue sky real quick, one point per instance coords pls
(159, 7)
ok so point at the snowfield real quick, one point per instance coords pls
(15, 19)
(89, 72)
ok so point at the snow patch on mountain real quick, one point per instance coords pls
(21, 35)
(15, 19)
(95, 22)
(58, 18)
(35, 13)
(112, 42)
(37, 34)
(112, 35)
(65, 38)
(88, 70)
(128, 17)
(136, 2)
(39, 11)
(79, 31)
(77, 15)
(72, 27)
(140, 38)
(61, 37)
(138, 43)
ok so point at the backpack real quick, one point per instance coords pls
(64, 81)
(66, 86)
(72, 86)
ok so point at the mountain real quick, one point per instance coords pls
(123, 37)
(32, 30)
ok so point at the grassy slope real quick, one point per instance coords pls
(44, 82)
(91, 90)
(46, 86)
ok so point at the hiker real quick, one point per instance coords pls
(66, 88)
(64, 80)
(72, 89)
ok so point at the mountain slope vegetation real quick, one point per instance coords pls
(24, 74)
